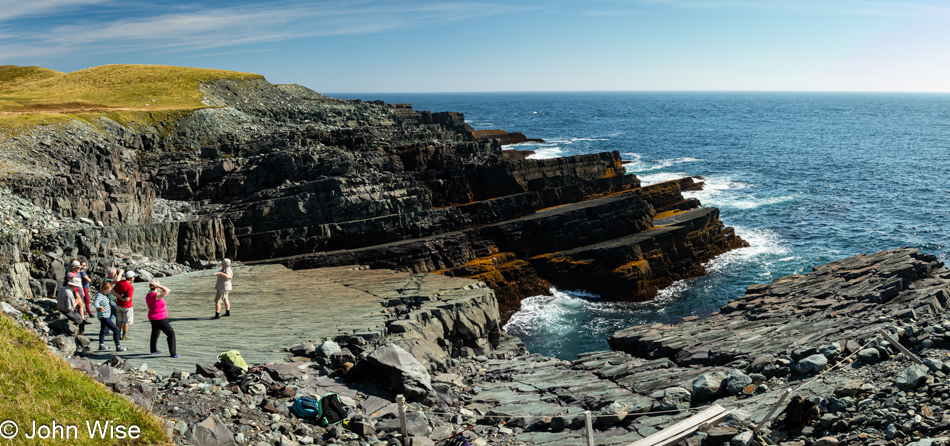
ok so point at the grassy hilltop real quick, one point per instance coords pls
(38, 95)
(36, 385)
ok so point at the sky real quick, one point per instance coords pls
(432, 46)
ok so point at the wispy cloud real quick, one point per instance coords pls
(15, 9)
(838, 7)
(204, 28)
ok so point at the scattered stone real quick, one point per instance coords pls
(212, 432)
(405, 374)
(737, 382)
(743, 439)
(810, 365)
(675, 398)
(911, 377)
(614, 413)
(708, 386)
(869, 355)
(327, 349)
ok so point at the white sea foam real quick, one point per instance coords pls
(540, 311)
(546, 152)
(659, 177)
(631, 156)
(764, 248)
(721, 192)
(643, 166)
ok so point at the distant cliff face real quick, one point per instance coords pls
(283, 174)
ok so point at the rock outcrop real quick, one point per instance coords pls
(841, 302)
(281, 174)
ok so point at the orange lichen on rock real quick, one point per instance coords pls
(511, 279)
(669, 213)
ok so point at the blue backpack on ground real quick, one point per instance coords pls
(305, 407)
(326, 411)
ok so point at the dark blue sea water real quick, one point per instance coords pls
(806, 178)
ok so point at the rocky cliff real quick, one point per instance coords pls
(278, 173)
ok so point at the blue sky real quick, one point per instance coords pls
(430, 46)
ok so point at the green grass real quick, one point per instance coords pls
(36, 385)
(13, 74)
(104, 89)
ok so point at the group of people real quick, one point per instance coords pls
(114, 300)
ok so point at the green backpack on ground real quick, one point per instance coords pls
(326, 411)
(234, 358)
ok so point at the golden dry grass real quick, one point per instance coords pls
(113, 88)
(36, 385)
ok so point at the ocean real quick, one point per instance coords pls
(805, 178)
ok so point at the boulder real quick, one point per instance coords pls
(869, 355)
(64, 326)
(811, 364)
(708, 386)
(675, 398)
(743, 439)
(212, 432)
(405, 374)
(911, 377)
(934, 365)
(337, 360)
(142, 275)
(416, 423)
(65, 344)
(8, 310)
(209, 371)
(850, 388)
(429, 354)
(758, 365)
(283, 372)
(736, 382)
(305, 349)
(831, 350)
(614, 413)
(327, 349)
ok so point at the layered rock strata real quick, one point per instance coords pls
(281, 174)
(847, 300)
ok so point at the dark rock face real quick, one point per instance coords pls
(282, 174)
(834, 303)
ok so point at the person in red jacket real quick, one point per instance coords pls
(123, 292)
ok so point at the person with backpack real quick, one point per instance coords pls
(158, 317)
(103, 313)
(222, 289)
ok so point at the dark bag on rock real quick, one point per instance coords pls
(332, 410)
(326, 411)
(457, 441)
(232, 371)
(799, 412)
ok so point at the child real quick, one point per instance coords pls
(158, 317)
(104, 313)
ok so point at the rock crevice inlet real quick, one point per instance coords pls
(280, 174)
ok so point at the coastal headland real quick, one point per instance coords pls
(385, 247)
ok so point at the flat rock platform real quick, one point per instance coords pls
(273, 308)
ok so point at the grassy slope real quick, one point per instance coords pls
(107, 88)
(37, 385)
